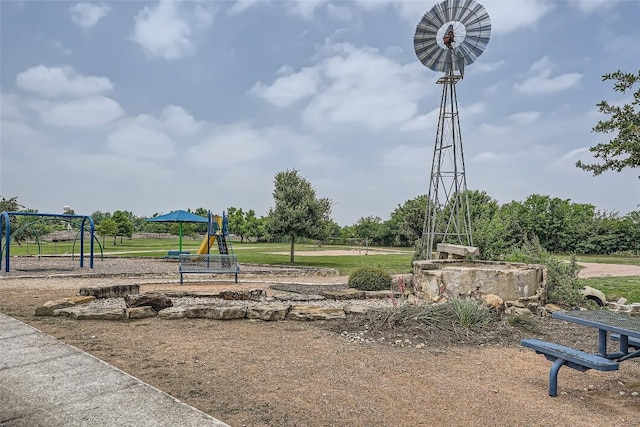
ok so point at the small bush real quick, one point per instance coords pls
(370, 279)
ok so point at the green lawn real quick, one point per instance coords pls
(249, 253)
(616, 287)
(278, 254)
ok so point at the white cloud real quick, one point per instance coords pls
(525, 117)
(509, 16)
(540, 81)
(288, 89)
(10, 107)
(87, 15)
(575, 153)
(506, 16)
(56, 81)
(133, 141)
(351, 86)
(170, 29)
(405, 155)
(232, 145)
(303, 8)
(486, 67)
(486, 157)
(179, 121)
(82, 113)
(590, 6)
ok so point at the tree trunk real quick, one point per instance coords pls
(293, 244)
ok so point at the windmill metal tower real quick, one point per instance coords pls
(448, 37)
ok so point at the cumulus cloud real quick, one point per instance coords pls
(525, 117)
(179, 121)
(288, 89)
(81, 113)
(61, 81)
(134, 141)
(541, 82)
(590, 6)
(87, 15)
(351, 85)
(234, 144)
(170, 30)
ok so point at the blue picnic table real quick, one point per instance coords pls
(619, 327)
(625, 328)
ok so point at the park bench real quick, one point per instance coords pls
(633, 342)
(208, 264)
(175, 254)
(566, 356)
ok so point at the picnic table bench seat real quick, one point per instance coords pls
(208, 264)
(633, 342)
(562, 355)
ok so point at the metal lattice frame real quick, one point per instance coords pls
(447, 216)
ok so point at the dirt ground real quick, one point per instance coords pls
(254, 373)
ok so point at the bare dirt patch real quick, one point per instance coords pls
(320, 373)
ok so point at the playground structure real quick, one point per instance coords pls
(5, 248)
(217, 232)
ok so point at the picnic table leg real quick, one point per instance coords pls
(624, 344)
(553, 377)
(602, 342)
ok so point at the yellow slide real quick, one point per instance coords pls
(206, 245)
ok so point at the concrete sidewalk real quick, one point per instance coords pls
(44, 382)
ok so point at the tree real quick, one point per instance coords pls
(107, 227)
(10, 205)
(123, 221)
(624, 150)
(297, 211)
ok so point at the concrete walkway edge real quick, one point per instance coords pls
(45, 382)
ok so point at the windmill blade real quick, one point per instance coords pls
(471, 25)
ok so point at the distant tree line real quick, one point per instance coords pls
(560, 226)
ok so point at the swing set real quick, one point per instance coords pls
(5, 248)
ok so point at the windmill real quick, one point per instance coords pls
(450, 36)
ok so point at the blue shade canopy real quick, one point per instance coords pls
(471, 26)
(178, 216)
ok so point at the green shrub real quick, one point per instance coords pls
(370, 279)
(562, 277)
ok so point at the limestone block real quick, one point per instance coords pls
(342, 294)
(251, 294)
(82, 299)
(305, 312)
(298, 297)
(86, 313)
(493, 300)
(172, 313)
(156, 300)
(217, 312)
(110, 291)
(48, 307)
(268, 312)
(458, 250)
(380, 294)
(141, 312)
(551, 308)
(355, 309)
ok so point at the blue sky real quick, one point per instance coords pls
(156, 106)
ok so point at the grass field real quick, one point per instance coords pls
(399, 261)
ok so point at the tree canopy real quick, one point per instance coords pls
(297, 211)
(624, 149)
